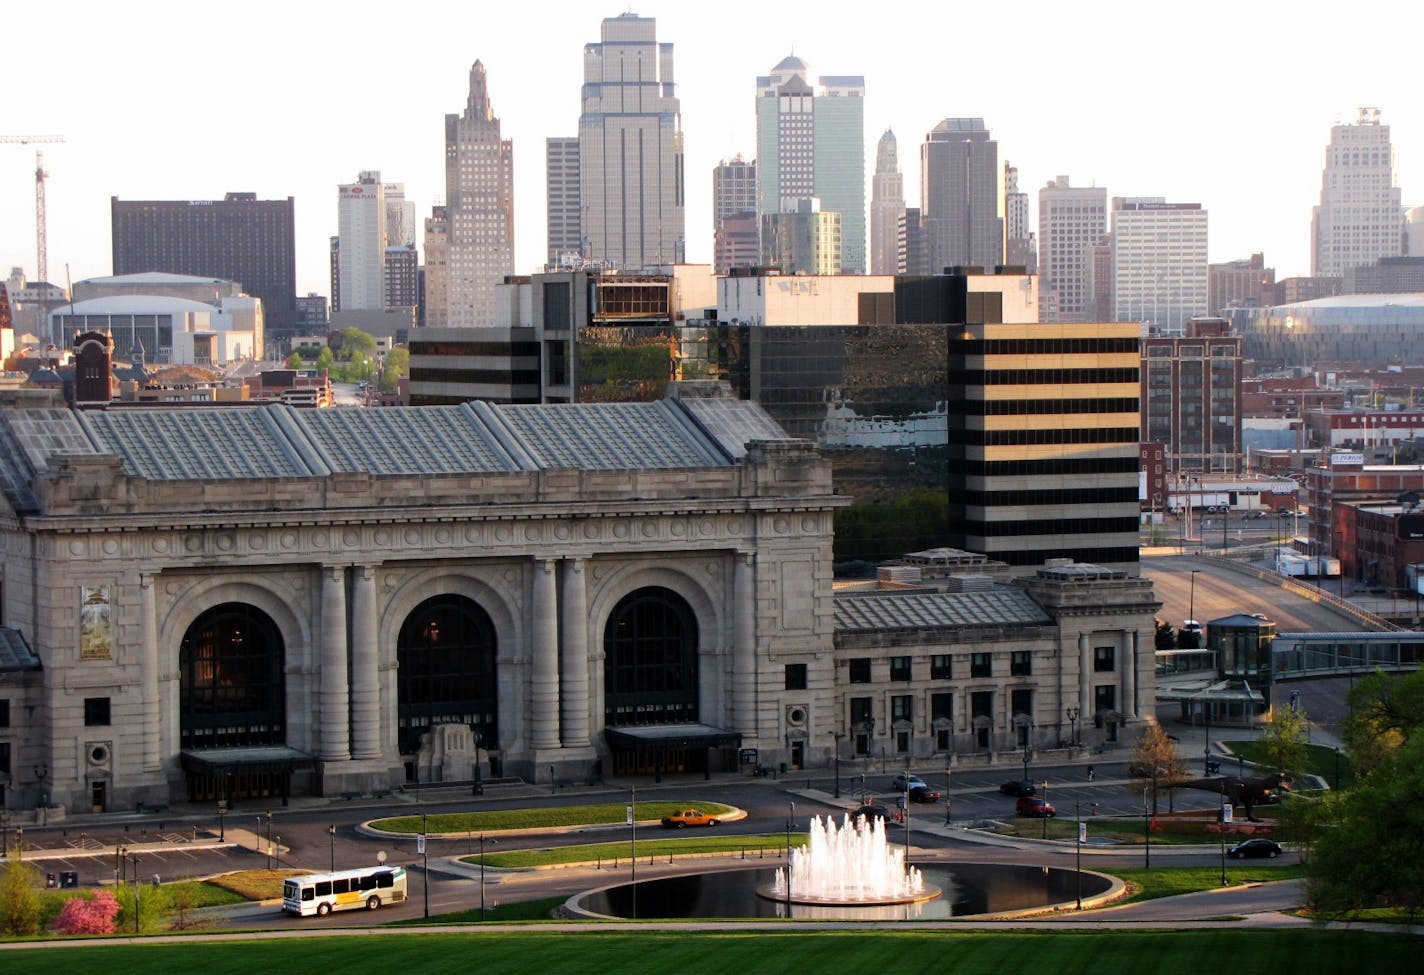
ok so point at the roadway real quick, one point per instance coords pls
(189, 847)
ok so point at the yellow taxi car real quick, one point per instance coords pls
(688, 817)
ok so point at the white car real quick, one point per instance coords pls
(905, 781)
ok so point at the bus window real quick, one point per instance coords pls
(341, 886)
(307, 893)
(323, 888)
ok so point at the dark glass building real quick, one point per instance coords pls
(238, 238)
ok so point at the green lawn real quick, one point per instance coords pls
(657, 845)
(502, 819)
(1170, 881)
(1319, 760)
(1203, 949)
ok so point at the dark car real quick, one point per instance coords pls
(1034, 806)
(871, 811)
(923, 793)
(1250, 849)
(1018, 787)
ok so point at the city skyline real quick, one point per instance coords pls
(318, 105)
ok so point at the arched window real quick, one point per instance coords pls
(650, 660)
(446, 654)
(233, 693)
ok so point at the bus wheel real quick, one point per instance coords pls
(323, 909)
(373, 903)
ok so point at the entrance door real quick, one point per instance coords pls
(798, 754)
(98, 796)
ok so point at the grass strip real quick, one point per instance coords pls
(1200, 949)
(662, 848)
(490, 821)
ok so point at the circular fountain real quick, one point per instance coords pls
(849, 864)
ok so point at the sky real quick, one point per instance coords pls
(1227, 104)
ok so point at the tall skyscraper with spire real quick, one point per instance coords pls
(631, 190)
(479, 209)
(887, 210)
(961, 196)
(1018, 239)
(1360, 217)
(811, 144)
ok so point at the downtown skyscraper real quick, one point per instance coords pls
(1071, 219)
(479, 211)
(375, 242)
(631, 189)
(887, 210)
(961, 196)
(811, 144)
(1360, 217)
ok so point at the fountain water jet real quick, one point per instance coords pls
(849, 864)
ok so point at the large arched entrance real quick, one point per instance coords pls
(447, 652)
(232, 699)
(650, 678)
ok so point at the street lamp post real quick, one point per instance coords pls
(222, 815)
(1192, 603)
(331, 832)
(905, 803)
(948, 818)
(1146, 832)
(790, 819)
(425, 870)
(1206, 745)
(482, 875)
(1073, 726)
(269, 837)
(837, 736)
(1025, 759)
(633, 845)
(1045, 811)
(1078, 849)
(137, 887)
(478, 786)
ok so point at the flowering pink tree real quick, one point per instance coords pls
(88, 915)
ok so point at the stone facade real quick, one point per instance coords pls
(340, 562)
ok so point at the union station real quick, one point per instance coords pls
(261, 601)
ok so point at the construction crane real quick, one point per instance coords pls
(41, 245)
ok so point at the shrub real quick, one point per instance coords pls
(88, 915)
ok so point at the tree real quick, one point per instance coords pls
(295, 361)
(1283, 737)
(397, 364)
(1164, 638)
(1385, 710)
(352, 340)
(1155, 763)
(1371, 857)
(324, 359)
(88, 915)
(21, 907)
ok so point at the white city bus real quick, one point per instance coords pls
(322, 893)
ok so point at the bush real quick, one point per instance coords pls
(20, 902)
(88, 915)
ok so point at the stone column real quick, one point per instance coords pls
(744, 643)
(365, 666)
(573, 639)
(1129, 678)
(1085, 678)
(148, 671)
(335, 698)
(544, 659)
